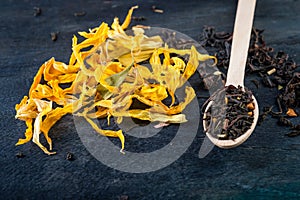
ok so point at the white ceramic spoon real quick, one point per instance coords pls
(237, 64)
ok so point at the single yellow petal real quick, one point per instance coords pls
(128, 17)
(179, 64)
(191, 66)
(44, 107)
(108, 133)
(38, 77)
(66, 78)
(22, 103)
(28, 133)
(41, 91)
(153, 92)
(53, 116)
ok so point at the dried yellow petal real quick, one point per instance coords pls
(43, 107)
(128, 18)
(38, 77)
(108, 133)
(28, 133)
(53, 116)
(26, 109)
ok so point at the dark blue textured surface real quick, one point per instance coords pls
(266, 166)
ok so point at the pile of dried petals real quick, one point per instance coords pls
(104, 75)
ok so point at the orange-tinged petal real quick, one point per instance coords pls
(153, 92)
(26, 109)
(28, 133)
(38, 77)
(41, 91)
(191, 66)
(51, 118)
(128, 17)
(56, 90)
(22, 103)
(108, 133)
(72, 60)
(66, 78)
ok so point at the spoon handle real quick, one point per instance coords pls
(240, 42)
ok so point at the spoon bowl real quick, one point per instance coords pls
(226, 144)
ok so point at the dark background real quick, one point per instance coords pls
(267, 165)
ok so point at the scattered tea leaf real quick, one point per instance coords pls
(255, 82)
(141, 18)
(80, 14)
(37, 11)
(293, 134)
(282, 121)
(54, 36)
(20, 155)
(70, 156)
(296, 127)
(124, 197)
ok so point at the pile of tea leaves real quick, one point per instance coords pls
(273, 70)
(231, 113)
